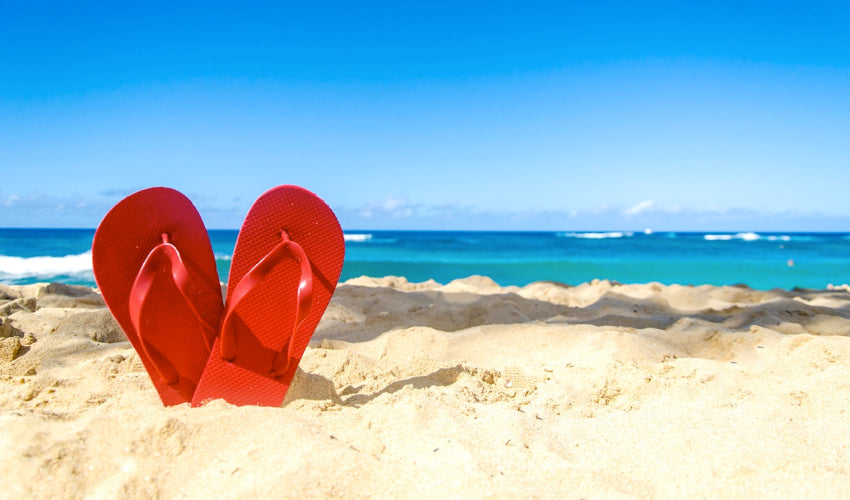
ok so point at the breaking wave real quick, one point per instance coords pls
(750, 236)
(45, 268)
(357, 237)
(596, 236)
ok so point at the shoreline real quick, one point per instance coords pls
(465, 389)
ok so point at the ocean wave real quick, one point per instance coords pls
(45, 267)
(357, 237)
(596, 236)
(749, 236)
(719, 237)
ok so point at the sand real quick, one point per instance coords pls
(463, 390)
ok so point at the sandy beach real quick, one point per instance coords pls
(462, 390)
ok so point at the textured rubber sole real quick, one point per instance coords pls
(265, 318)
(121, 244)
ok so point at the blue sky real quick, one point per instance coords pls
(438, 115)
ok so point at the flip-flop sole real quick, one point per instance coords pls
(265, 319)
(122, 243)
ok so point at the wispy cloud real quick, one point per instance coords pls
(75, 210)
(11, 200)
(46, 210)
(393, 207)
(399, 213)
(639, 208)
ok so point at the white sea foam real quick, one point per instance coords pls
(357, 237)
(595, 236)
(749, 236)
(45, 267)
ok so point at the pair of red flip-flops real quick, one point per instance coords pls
(156, 270)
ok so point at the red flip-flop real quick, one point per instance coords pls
(155, 267)
(285, 267)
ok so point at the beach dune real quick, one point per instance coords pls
(462, 390)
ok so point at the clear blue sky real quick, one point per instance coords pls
(429, 115)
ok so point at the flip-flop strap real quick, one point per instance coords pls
(188, 290)
(260, 271)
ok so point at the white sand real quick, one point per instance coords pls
(467, 390)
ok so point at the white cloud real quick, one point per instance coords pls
(397, 213)
(391, 208)
(391, 204)
(639, 208)
(12, 199)
(42, 210)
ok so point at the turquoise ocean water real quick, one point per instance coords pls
(760, 260)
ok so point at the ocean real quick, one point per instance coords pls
(759, 260)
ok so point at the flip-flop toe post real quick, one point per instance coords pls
(285, 267)
(155, 267)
